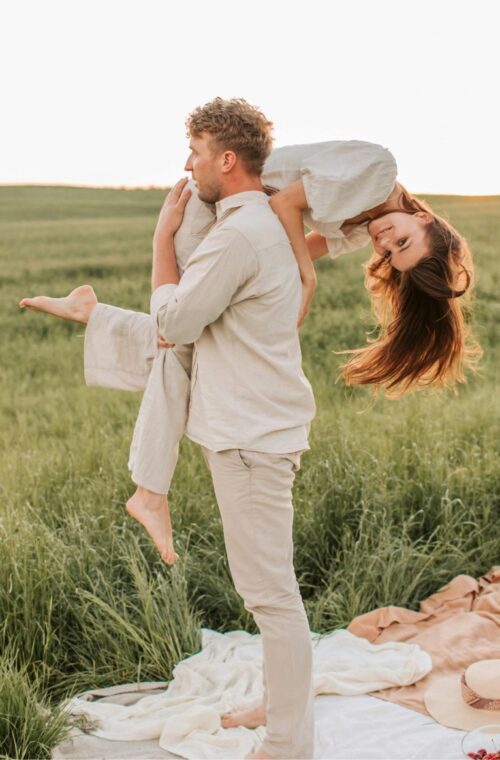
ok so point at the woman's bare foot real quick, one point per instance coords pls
(77, 306)
(151, 510)
(248, 718)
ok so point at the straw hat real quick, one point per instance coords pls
(468, 700)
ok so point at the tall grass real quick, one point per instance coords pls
(29, 727)
(394, 498)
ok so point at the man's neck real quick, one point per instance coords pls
(241, 185)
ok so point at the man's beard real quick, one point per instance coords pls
(209, 193)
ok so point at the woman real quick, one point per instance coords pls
(347, 193)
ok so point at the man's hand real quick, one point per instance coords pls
(172, 211)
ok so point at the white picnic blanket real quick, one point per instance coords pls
(227, 674)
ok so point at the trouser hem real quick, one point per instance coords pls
(283, 754)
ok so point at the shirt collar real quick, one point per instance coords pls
(239, 199)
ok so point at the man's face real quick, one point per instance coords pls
(205, 162)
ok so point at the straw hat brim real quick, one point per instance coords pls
(445, 703)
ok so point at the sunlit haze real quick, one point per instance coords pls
(97, 91)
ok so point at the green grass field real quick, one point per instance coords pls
(394, 499)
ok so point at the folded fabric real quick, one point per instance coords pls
(457, 625)
(346, 728)
(227, 675)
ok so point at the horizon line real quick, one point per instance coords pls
(91, 186)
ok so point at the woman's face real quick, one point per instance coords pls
(403, 235)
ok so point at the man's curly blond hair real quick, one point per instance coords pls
(235, 125)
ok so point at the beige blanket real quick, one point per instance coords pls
(457, 625)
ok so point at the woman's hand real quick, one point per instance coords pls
(309, 283)
(172, 211)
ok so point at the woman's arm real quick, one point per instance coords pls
(316, 244)
(288, 204)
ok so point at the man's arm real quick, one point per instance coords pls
(216, 270)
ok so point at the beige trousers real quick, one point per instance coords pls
(120, 352)
(254, 494)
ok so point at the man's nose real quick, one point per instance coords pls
(187, 166)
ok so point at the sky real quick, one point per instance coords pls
(96, 92)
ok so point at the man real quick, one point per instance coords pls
(250, 403)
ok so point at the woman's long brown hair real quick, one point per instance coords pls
(424, 339)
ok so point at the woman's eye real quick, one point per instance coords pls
(402, 241)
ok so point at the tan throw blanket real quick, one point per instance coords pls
(457, 625)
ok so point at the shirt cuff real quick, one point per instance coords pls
(160, 297)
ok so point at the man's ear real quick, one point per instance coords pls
(229, 159)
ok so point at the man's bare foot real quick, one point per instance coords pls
(77, 306)
(151, 510)
(260, 755)
(248, 718)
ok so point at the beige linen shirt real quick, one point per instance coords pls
(238, 301)
(341, 178)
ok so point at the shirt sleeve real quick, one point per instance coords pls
(343, 243)
(215, 272)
